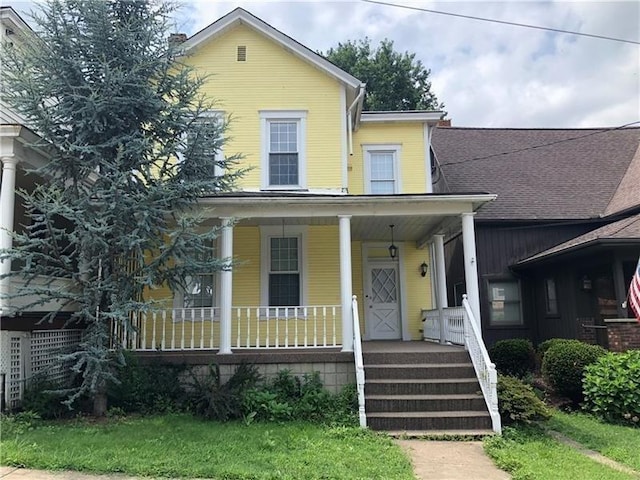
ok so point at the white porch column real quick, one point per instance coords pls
(471, 265)
(441, 279)
(7, 205)
(226, 287)
(346, 288)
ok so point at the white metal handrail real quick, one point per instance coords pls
(357, 354)
(485, 369)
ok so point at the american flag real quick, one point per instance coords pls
(634, 293)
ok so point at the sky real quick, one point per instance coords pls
(487, 74)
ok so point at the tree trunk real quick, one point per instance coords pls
(100, 403)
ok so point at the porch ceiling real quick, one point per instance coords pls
(415, 217)
(411, 228)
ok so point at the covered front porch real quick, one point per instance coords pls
(317, 252)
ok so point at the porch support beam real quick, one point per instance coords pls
(7, 204)
(441, 282)
(346, 288)
(471, 265)
(226, 286)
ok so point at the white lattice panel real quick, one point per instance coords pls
(46, 346)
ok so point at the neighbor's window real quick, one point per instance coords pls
(381, 169)
(504, 303)
(283, 159)
(551, 296)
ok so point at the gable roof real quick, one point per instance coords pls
(239, 16)
(623, 231)
(542, 174)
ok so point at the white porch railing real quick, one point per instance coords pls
(316, 326)
(357, 354)
(453, 318)
(485, 369)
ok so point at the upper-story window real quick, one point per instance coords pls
(381, 169)
(211, 123)
(283, 149)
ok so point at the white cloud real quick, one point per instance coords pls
(487, 74)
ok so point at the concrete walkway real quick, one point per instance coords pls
(431, 461)
(434, 460)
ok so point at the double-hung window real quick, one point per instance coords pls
(207, 139)
(200, 288)
(504, 303)
(282, 267)
(283, 149)
(381, 169)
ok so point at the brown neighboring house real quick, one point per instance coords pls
(557, 249)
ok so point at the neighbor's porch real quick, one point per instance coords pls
(343, 246)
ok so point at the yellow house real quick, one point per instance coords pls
(334, 235)
(337, 203)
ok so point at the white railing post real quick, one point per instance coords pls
(226, 286)
(484, 368)
(357, 354)
(346, 288)
(441, 284)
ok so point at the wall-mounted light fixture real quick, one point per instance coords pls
(393, 250)
(423, 269)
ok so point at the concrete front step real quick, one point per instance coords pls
(423, 403)
(421, 370)
(441, 434)
(429, 386)
(457, 420)
(413, 358)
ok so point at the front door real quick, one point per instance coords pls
(382, 301)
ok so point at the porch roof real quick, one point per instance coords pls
(416, 216)
(622, 232)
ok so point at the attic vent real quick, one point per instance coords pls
(242, 53)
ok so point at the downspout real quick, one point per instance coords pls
(357, 100)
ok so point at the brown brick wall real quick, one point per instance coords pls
(585, 330)
(623, 336)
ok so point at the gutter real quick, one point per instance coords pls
(358, 101)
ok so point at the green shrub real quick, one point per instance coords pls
(153, 388)
(563, 366)
(518, 403)
(515, 357)
(208, 397)
(46, 398)
(290, 397)
(547, 344)
(612, 387)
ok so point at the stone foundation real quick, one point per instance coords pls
(623, 334)
(336, 369)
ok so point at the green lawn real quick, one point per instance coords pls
(529, 454)
(182, 446)
(616, 442)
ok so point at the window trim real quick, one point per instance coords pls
(275, 231)
(218, 115)
(178, 297)
(509, 324)
(367, 150)
(298, 116)
(550, 312)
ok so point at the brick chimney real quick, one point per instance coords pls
(444, 123)
(176, 39)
